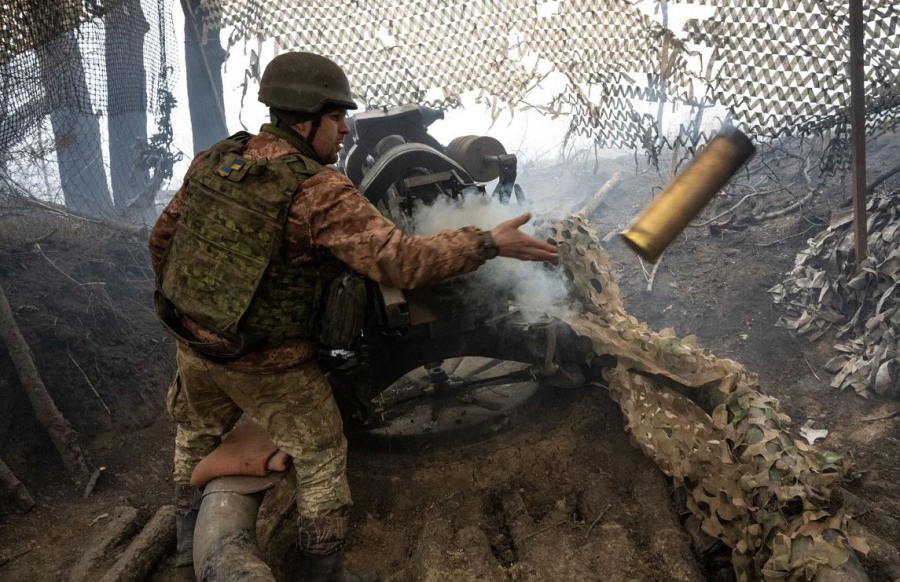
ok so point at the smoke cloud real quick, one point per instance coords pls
(537, 289)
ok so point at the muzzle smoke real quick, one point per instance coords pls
(537, 289)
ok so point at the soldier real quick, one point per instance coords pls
(242, 255)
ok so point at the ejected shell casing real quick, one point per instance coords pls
(686, 195)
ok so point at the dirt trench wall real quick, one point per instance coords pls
(82, 299)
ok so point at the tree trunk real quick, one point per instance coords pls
(64, 437)
(127, 100)
(204, 56)
(76, 129)
(15, 488)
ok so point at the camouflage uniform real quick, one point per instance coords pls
(281, 386)
(295, 406)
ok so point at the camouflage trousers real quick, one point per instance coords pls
(295, 406)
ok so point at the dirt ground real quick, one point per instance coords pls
(560, 494)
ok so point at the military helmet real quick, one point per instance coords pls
(304, 83)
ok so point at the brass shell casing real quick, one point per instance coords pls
(687, 193)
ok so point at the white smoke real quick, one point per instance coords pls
(537, 289)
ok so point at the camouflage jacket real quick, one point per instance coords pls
(330, 216)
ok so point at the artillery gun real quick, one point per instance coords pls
(399, 167)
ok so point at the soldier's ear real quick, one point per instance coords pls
(303, 128)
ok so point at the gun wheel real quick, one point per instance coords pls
(450, 403)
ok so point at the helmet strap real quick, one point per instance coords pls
(316, 122)
(295, 138)
(286, 132)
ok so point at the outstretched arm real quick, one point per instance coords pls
(338, 218)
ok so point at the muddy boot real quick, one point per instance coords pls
(329, 568)
(321, 541)
(187, 506)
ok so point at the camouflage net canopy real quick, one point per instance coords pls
(775, 68)
(79, 78)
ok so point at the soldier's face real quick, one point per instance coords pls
(330, 136)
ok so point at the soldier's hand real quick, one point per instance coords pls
(515, 244)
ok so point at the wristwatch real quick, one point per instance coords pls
(490, 249)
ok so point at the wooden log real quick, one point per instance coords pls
(122, 524)
(155, 540)
(870, 188)
(15, 488)
(64, 437)
(593, 203)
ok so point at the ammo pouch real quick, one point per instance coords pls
(345, 311)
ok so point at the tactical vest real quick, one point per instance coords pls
(226, 266)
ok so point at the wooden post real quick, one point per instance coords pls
(858, 129)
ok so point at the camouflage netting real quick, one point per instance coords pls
(78, 80)
(704, 421)
(778, 68)
(826, 291)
